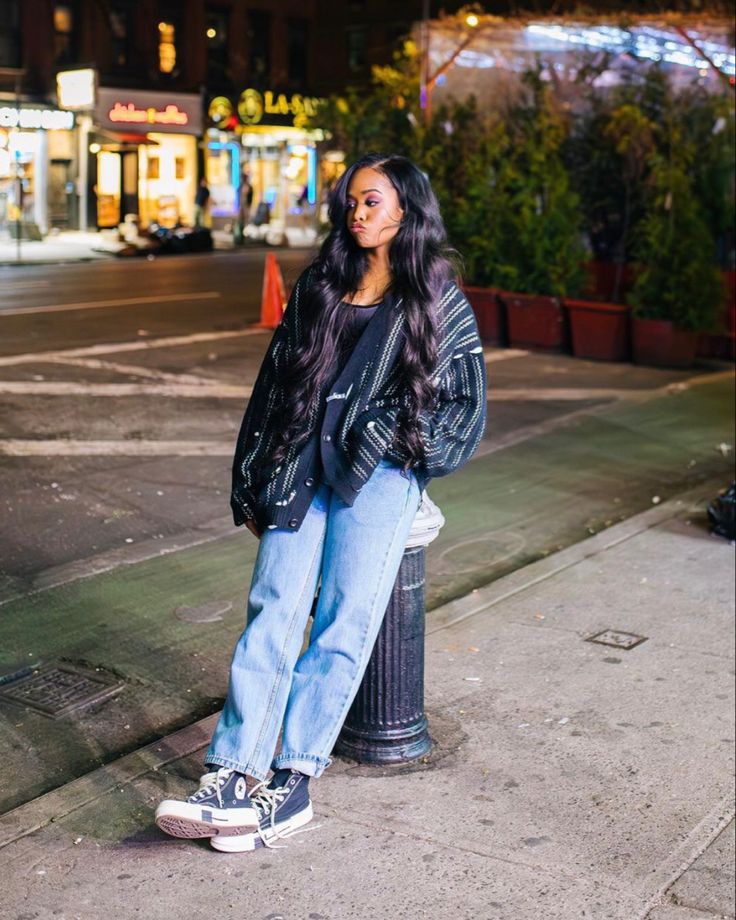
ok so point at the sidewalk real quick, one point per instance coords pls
(77, 246)
(568, 779)
(66, 246)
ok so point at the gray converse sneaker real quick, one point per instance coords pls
(220, 806)
(284, 808)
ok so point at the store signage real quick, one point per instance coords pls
(262, 108)
(75, 89)
(128, 114)
(141, 112)
(29, 119)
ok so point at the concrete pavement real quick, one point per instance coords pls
(568, 779)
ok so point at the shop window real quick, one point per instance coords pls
(120, 21)
(259, 35)
(10, 35)
(153, 168)
(216, 33)
(180, 170)
(166, 46)
(65, 33)
(356, 48)
(298, 44)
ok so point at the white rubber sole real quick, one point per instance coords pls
(244, 843)
(182, 819)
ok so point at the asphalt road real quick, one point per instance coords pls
(78, 304)
(122, 385)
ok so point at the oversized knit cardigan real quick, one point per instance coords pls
(363, 416)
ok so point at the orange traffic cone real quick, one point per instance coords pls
(273, 298)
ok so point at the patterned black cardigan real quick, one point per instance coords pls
(360, 412)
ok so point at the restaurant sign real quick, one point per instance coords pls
(253, 107)
(141, 112)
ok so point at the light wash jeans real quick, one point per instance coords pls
(357, 550)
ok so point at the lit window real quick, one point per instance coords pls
(166, 47)
(64, 34)
(63, 19)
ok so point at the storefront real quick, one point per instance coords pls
(264, 136)
(37, 169)
(145, 156)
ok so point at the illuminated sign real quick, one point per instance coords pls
(28, 119)
(75, 89)
(128, 114)
(263, 108)
(140, 112)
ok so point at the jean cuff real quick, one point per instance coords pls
(246, 769)
(310, 764)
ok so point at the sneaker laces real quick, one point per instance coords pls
(212, 782)
(266, 801)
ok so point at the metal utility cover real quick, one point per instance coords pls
(617, 639)
(58, 689)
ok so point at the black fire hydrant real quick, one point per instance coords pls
(386, 723)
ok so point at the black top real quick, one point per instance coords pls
(357, 321)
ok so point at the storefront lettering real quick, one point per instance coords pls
(254, 107)
(127, 113)
(48, 119)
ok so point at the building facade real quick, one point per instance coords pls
(186, 89)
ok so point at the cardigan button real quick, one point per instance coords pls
(326, 437)
(309, 481)
(293, 522)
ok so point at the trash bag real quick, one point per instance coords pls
(721, 514)
(262, 215)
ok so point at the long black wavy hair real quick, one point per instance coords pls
(420, 262)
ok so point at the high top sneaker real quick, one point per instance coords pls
(220, 806)
(284, 808)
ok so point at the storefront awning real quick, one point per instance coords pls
(115, 141)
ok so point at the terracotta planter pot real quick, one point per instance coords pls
(602, 279)
(488, 313)
(658, 343)
(722, 344)
(534, 321)
(599, 330)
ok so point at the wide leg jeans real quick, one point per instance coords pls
(356, 550)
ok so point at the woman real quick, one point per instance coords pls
(374, 382)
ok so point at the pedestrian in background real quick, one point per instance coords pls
(245, 203)
(373, 383)
(201, 201)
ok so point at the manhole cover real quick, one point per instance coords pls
(617, 639)
(58, 689)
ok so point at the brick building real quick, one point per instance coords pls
(185, 88)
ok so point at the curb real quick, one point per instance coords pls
(54, 805)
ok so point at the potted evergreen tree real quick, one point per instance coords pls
(678, 289)
(600, 329)
(540, 251)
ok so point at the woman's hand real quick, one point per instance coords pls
(253, 527)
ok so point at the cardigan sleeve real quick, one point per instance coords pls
(253, 437)
(452, 428)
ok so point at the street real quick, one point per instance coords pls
(122, 385)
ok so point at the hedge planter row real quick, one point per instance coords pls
(587, 328)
